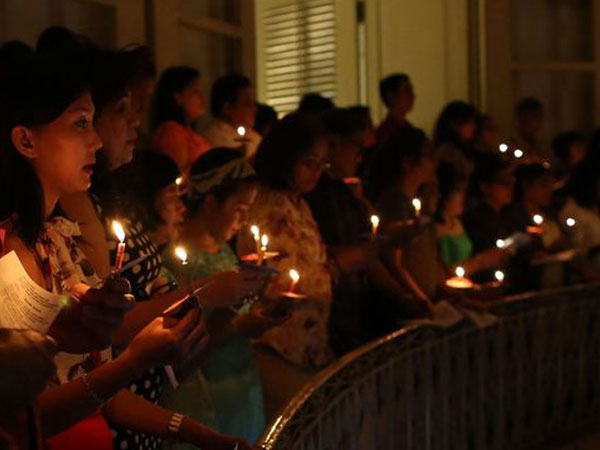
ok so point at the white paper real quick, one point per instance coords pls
(23, 303)
(444, 315)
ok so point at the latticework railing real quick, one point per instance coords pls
(527, 381)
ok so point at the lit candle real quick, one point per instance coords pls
(417, 205)
(295, 276)
(241, 131)
(256, 234)
(264, 242)
(503, 148)
(374, 224)
(518, 153)
(499, 276)
(500, 243)
(120, 233)
(182, 255)
(538, 219)
(178, 181)
(570, 222)
(459, 281)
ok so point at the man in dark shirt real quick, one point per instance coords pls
(397, 94)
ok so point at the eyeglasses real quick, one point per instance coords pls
(314, 164)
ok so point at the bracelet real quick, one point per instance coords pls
(175, 425)
(85, 380)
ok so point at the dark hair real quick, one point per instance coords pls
(583, 185)
(141, 180)
(266, 117)
(172, 81)
(12, 54)
(525, 175)
(290, 139)
(364, 115)
(315, 103)
(447, 185)
(208, 162)
(342, 123)
(58, 42)
(389, 85)
(34, 93)
(143, 62)
(407, 145)
(488, 169)
(454, 113)
(528, 105)
(561, 145)
(226, 90)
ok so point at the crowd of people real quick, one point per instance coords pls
(258, 249)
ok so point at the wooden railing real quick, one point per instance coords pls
(529, 380)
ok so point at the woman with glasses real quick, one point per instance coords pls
(289, 164)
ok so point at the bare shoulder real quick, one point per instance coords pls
(26, 256)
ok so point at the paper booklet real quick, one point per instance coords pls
(23, 303)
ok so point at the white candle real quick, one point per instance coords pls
(417, 205)
(570, 222)
(374, 224)
(499, 276)
(460, 272)
(538, 219)
(241, 131)
(264, 242)
(295, 276)
(120, 233)
(518, 153)
(182, 255)
(500, 243)
(503, 148)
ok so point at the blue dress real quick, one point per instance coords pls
(225, 393)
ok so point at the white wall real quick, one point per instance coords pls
(428, 40)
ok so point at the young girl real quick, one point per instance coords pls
(226, 391)
(47, 150)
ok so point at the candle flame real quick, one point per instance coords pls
(538, 219)
(118, 230)
(500, 243)
(518, 153)
(460, 272)
(181, 254)
(294, 275)
(416, 204)
(570, 222)
(375, 221)
(255, 232)
(503, 148)
(499, 275)
(241, 131)
(264, 240)
(178, 181)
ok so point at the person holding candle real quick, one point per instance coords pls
(225, 390)
(401, 169)
(232, 106)
(179, 103)
(47, 147)
(289, 163)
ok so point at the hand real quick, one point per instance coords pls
(157, 345)
(230, 287)
(27, 361)
(261, 319)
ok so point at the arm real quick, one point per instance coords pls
(135, 413)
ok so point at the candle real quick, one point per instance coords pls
(178, 181)
(538, 219)
(256, 234)
(417, 205)
(459, 281)
(295, 276)
(241, 131)
(120, 233)
(182, 255)
(499, 276)
(374, 224)
(500, 243)
(518, 153)
(264, 241)
(570, 222)
(503, 148)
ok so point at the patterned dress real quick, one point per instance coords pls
(142, 277)
(288, 221)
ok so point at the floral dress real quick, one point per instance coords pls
(292, 231)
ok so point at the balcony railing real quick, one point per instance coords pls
(529, 380)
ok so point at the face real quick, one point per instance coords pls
(490, 136)
(345, 155)
(117, 127)
(577, 153)
(192, 100)
(309, 168)
(531, 124)
(228, 218)
(243, 111)
(500, 191)
(141, 95)
(425, 168)
(539, 192)
(62, 152)
(455, 204)
(404, 101)
(466, 131)
(171, 210)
